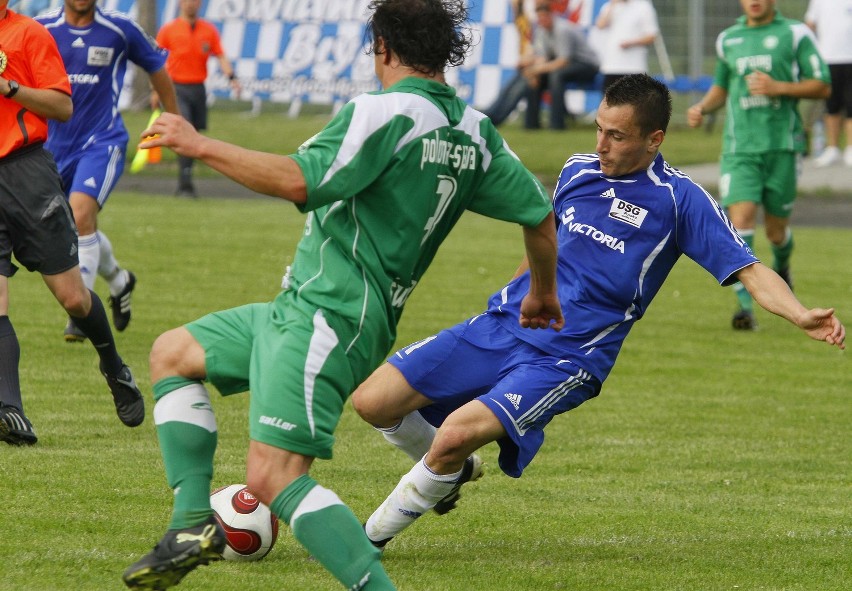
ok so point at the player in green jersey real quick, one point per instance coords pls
(383, 183)
(765, 64)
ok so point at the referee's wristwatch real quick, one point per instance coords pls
(13, 89)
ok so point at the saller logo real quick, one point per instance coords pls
(590, 231)
(276, 422)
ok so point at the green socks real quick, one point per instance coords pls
(186, 428)
(332, 534)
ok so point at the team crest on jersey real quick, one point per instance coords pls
(3, 61)
(99, 56)
(770, 42)
(627, 212)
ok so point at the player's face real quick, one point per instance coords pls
(80, 7)
(621, 146)
(758, 12)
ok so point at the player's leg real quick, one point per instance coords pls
(300, 379)
(741, 190)
(192, 101)
(388, 402)
(514, 412)
(779, 197)
(87, 311)
(15, 427)
(215, 347)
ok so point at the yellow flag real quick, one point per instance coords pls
(141, 158)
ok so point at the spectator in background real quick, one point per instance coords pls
(190, 41)
(765, 64)
(832, 22)
(559, 55)
(629, 27)
(90, 148)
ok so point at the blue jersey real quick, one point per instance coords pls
(618, 239)
(95, 58)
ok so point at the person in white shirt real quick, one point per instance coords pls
(629, 27)
(831, 20)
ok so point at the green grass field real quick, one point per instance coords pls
(712, 460)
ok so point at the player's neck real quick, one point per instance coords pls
(76, 19)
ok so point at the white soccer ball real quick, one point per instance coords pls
(250, 526)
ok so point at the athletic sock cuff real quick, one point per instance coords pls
(170, 384)
(288, 500)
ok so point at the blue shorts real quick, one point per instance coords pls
(522, 385)
(94, 170)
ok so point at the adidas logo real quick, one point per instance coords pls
(91, 182)
(78, 42)
(568, 215)
(515, 399)
(609, 193)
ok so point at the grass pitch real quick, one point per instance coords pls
(712, 460)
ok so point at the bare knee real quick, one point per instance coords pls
(177, 353)
(386, 397)
(451, 446)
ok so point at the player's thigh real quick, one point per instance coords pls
(782, 173)
(227, 338)
(98, 170)
(300, 380)
(538, 388)
(37, 220)
(456, 365)
(741, 178)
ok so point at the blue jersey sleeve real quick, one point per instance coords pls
(705, 235)
(142, 49)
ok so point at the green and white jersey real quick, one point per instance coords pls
(387, 179)
(785, 49)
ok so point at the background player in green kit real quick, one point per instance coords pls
(765, 64)
(383, 184)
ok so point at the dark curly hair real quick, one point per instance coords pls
(426, 35)
(650, 99)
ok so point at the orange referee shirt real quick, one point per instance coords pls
(190, 46)
(33, 60)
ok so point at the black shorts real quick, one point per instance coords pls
(192, 101)
(840, 100)
(36, 223)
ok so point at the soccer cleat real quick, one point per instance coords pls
(15, 428)
(73, 334)
(381, 543)
(176, 555)
(786, 276)
(472, 470)
(121, 304)
(186, 190)
(129, 404)
(744, 320)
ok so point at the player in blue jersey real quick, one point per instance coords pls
(90, 148)
(624, 217)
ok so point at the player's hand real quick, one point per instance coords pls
(761, 83)
(175, 132)
(541, 312)
(822, 325)
(695, 116)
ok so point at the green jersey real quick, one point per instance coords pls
(786, 50)
(387, 179)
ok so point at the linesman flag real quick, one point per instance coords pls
(152, 155)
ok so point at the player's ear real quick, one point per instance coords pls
(655, 139)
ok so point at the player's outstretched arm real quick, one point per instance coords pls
(770, 291)
(540, 307)
(270, 174)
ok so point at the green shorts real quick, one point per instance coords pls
(768, 179)
(291, 360)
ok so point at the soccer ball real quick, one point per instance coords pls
(250, 526)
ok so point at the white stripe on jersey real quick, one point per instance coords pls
(372, 111)
(323, 341)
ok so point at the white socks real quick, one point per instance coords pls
(96, 258)
(417, 492)
(413, 435)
